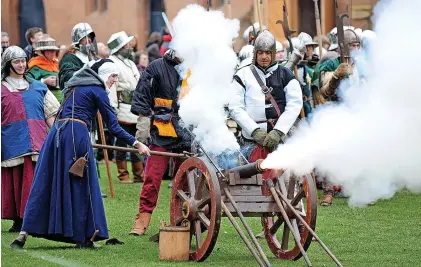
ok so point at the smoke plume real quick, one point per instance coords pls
(204, 41)
(370, 143)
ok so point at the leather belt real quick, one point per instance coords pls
(272, 122)
(65, 119)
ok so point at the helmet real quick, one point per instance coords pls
(297, 44)
(80, 31)
(334, 33)
(117, 41)
(251, 32)
(350, 37)
(265, 41)
(306, 39)
(359, 32)
(11, 53)
(47, 43)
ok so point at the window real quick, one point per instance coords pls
(91, 6)
(96, 5)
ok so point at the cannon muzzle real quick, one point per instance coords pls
(248, 170)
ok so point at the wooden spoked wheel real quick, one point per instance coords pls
(303, 196)
(196, 197)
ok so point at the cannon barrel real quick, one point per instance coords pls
(248, 170)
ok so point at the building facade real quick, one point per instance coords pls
(137, 17)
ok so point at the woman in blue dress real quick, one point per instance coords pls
(62, 206)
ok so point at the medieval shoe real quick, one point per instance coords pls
(123, 174)
(137, 169)
(327, 200)
(141, 223)
(19, 242)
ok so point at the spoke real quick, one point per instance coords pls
(200, 184)
(182, 195)
(285, 238)
(276, 226)
(296, 230)
(298, 197)
(203, 202)
(203, 219)
(198, 230)
(191, 183)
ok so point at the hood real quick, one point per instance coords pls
(43, 63)
(83, 77)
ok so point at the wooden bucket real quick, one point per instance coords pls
(174, 242)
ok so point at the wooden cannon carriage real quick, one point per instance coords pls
(202, 193)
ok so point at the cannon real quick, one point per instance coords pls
(202, 194)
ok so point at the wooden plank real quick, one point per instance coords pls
(246, 207)
(244, 181)
(245, 190)
(255, 199)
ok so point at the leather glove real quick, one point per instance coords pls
(259, 136)
(273, 139)
(342, 71)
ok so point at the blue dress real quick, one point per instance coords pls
(63, 207)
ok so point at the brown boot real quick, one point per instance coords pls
(141, 223)
(327, 200)
(137, 169)
(123, 174)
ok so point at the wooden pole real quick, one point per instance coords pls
(291, 208)
(318, 27)
(322, 15)
(107, 162)
(259, 15)
(134, 150)
(229, 10)
(265, 12)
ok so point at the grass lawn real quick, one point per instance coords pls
(387, 234)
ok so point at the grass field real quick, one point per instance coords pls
(387, 234)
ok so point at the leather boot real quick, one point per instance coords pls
(141, 223)
(137, 169)
(327, 200)
(123, 173)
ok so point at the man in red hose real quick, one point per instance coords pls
(156, 98)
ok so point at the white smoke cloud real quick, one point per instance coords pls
(370, 144)
(204, 40)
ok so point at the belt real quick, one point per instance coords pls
(272, 122)
(65, 119)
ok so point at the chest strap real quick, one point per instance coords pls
(266, 90)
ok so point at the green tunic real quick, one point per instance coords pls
(69, 64)
(329, 65)
(37, 73)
